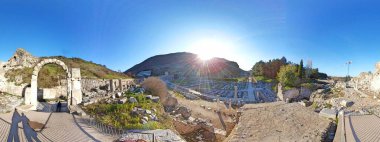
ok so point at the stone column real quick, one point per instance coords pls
(235, 96)
(31, 98)
(120, 85)
(112, 86)
(76, 86)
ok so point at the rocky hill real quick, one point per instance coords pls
(188, 65)
(19, 69)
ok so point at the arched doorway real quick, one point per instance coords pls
(31, 98)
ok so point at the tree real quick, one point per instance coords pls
(268, 69)
(300, 70)
(284, 60)
(314, 73)
(258, 69)
(287, 76)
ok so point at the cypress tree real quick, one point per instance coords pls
(300, 70)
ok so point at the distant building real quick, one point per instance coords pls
(144, 74)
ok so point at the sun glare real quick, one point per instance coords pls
(208, 48)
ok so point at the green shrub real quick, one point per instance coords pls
(288, 76)
(119, 115)
(314, 105)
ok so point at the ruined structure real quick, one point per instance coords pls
(75, 88)
(368, 81)
(74, 93)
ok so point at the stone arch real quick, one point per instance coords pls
(31, 98)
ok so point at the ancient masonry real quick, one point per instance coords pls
(75, 88)
(368, 81)
(74, 92)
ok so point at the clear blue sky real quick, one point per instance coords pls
(123, 33)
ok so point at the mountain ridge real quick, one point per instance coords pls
(187, 64)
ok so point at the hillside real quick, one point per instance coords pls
(21, 72)
(188, 65)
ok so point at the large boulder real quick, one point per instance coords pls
(184, 111)
(305, 93)
(291, 94)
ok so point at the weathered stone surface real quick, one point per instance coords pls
(184, 111)
(328, 113)
(346, 103)
(76, 86)
(146, 135)
(22, 58)
(368, 81)
(291, 94)
(9, 102)
(123, 100)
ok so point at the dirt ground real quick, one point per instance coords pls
(278, 121)
(206, 110)
(218, 120)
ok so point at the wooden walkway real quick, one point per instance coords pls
(365, 128)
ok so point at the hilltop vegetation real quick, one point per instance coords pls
(50, 74)
(288, 73)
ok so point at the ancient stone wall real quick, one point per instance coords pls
(106, 84)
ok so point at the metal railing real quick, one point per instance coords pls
(115, 132)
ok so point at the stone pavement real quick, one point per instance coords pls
(251, 94)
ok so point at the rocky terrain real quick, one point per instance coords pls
(188, 64)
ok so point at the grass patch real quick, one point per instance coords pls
(264, 79)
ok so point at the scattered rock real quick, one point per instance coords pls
(346, 103)
(132, 100)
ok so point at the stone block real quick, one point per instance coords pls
(328, 113)
(346, 103)
(123, 100)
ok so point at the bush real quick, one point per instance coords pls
(156, 86)
(288, 76)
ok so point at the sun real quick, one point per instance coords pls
(208, 48)
(204, 56)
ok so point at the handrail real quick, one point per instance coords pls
(112, 131)
(343, 133)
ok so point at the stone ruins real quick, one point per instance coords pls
(368, 81)
(74, 87)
